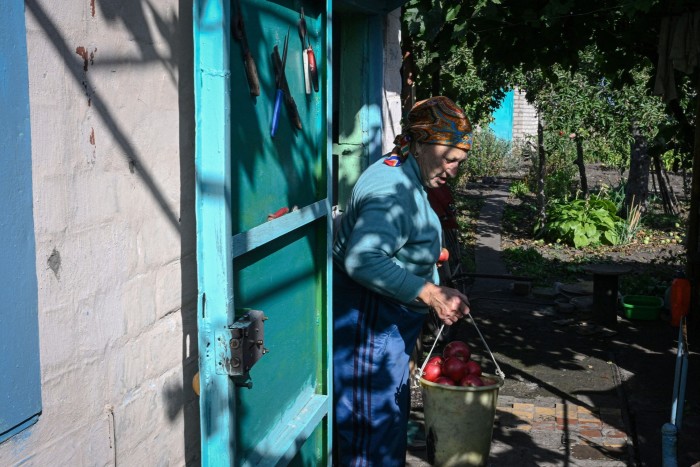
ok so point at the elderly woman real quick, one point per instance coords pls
(386, 280)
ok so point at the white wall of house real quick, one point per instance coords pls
(111, 106)
(391, 95)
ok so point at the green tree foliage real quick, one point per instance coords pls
(474, 51)
(582, 107)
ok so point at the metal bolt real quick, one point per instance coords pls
(235, 343)
(259, 342)
(235, 362)
(265, 350)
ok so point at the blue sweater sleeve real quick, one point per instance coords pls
(380, 231)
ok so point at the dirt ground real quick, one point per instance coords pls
(655, 256)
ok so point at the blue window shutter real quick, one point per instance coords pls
(20, 384)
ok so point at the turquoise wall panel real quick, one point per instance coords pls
(502, 124)
(20, 387)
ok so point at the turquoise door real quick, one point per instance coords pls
(279, 411)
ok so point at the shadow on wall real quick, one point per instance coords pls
(176, 33)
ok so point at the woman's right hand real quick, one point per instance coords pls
(449, 304)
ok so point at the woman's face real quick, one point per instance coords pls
(438, 163)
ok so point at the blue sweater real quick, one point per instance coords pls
(389, 237)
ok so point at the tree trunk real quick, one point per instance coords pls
(637, 188)
(541, 199)
(666, 198)
(581, 166)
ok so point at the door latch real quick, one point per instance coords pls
(241, 345)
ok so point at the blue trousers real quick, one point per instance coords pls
(372, 342)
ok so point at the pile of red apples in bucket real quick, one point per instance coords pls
(455, 368)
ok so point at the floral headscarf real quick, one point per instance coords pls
(437, 120)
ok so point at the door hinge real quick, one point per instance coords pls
(241, 345)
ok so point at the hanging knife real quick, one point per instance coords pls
(251, 71)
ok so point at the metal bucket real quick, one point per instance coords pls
(459, 422)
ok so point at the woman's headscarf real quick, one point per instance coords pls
(437, 120)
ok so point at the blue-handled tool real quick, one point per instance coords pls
(280, 93)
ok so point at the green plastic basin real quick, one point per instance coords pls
(643, 307)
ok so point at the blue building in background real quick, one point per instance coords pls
(502, 124)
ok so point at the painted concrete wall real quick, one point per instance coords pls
(111, 105)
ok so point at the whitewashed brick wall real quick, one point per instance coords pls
(111, 105)
(524, 117)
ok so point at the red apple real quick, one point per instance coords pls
(457, 349)
(454, 368)
(471, 380)
(432, 371)
(489, 381)
(473, 368)
(445, 381)
(438, 360)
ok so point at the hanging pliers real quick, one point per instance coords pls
(283, 90)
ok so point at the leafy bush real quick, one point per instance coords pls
(518, 189)
(615, 194)
(583, 222)
(489, 155)
(560, 173)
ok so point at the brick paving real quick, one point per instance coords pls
(600, 427)
(549, 432)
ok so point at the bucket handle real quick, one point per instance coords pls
(499, 372)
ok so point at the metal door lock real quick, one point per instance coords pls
(241, 345)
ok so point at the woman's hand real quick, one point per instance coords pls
(449, 304)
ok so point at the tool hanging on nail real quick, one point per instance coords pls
(313, 70)
(283, 89)
(238, 32)
(310, 69)
(304, 52)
